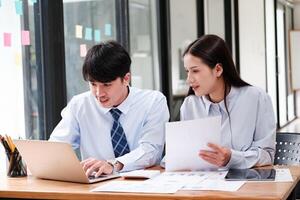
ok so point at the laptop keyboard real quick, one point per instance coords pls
(94, 177)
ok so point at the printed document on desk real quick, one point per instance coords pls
(139, 187)
(184, 140)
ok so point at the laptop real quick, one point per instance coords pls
(55, 161)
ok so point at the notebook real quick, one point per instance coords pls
(56, 161)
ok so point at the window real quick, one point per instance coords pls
(285, 94)
(86, 23)
(183, 32)
(20, 76)
(143, 44)
(270, 52)
(215, 17)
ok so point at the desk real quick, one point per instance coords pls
(30, 187)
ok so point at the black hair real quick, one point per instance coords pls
(212, 50)
(105, 62)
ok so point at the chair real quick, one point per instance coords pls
(288, 153)
(287, 149)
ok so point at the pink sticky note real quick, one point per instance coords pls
(7, 39)
(25, 38)
(82, 50)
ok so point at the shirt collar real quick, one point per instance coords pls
(229, 99)
(124, 106)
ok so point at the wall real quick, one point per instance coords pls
(252, 42)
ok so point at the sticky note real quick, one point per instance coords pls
(83, 50)
(107, 30)
(17, 57)
(88, 34)
(19, 7)
(25, 37)
(78, 31)
(97, 35)
(31, 2)
(7, 39)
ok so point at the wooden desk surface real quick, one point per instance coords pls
(33, 188)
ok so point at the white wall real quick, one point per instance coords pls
(297, 26)
(252, 42)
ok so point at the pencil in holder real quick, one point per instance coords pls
(16, 167)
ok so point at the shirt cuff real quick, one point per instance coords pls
(163, 162)
(235, 159)
(129, 160)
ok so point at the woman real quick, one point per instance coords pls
(248, 123)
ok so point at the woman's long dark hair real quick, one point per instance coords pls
(212, 50)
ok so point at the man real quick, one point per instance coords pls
(116, 127)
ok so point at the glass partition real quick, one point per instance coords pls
(86, 23)
(143, 44)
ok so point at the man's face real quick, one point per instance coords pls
(111, 93)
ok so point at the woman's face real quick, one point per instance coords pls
(200, 77)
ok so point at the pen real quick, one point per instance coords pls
(10, 143)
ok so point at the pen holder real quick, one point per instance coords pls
(16, 167)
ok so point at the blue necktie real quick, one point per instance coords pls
(118, 137)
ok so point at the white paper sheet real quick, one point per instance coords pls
(171, 182)
(184, 140)
(200, 180)
(139, 186)
(215, 181)
(283, 175)
(216, 184)
(180, 177)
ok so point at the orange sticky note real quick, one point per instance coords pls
(25, 38)
(7, 39)
(83, 50)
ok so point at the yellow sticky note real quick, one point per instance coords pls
(78, 31)
(18, 58)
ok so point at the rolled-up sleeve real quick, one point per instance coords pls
(151, 144)
(67, 129)
(262, 149)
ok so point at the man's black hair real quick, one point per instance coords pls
(105, 62)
